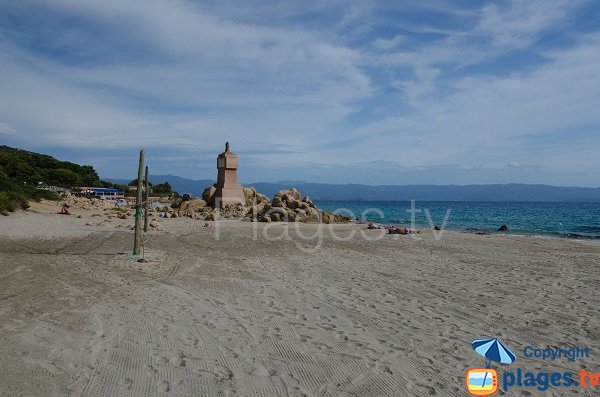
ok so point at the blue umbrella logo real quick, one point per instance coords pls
(493, 350)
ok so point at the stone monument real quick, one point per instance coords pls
(229, 191)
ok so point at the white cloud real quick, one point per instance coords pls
(517, 24)
(382, 43)
(231, 79)
(6, 129)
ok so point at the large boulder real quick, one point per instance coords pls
(289, 198)
(208, 195)
(253, 197)
(328, 217)
(191, 207)
(258, 209)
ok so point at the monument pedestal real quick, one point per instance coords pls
(229, 191)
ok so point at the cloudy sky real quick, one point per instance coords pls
(375, 92)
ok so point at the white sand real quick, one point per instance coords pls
(244, 316)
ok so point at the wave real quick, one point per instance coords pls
(587, 236)
(587, 229)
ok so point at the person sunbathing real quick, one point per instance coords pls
(400, 230)
(65, 210)
(372, 225)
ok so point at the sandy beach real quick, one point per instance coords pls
(245, 315)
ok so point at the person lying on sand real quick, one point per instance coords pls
(400, 230)
(372, 225)
(64, 210)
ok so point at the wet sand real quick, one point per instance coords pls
(243, 315)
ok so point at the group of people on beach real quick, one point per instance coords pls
(392, 229)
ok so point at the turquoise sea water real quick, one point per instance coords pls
(571, 220)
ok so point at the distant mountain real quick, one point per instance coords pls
(323, 191)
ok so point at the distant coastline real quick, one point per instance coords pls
(513, 192)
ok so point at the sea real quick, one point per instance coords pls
(542, 219)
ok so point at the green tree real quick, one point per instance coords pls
(163, 189)
(63, 177)
(89, 176)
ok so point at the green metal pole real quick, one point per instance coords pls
(137, 242)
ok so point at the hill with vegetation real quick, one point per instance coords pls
(21, 171)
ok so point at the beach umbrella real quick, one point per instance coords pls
(493, 350)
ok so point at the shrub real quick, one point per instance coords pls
(38, 195)
(10, 201)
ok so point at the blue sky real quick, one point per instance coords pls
(374, 92)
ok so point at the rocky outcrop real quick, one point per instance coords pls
(289, 206)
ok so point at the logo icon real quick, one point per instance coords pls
(484, 381)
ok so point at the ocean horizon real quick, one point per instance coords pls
(580, 220)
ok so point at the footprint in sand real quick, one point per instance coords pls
(126, 383)
(163, 386)
(262, 371)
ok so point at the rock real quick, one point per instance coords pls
(328, 217)
(233, 211)
(436, 227)
(287, 198)
(208, 195)
(191, 207)
(308, 202)
(291, 216)
(253, 197)
(155, 225)
(277, 202)
(503, 228)
(186, 197)
(249, 194)
(312, 216)
(254, 211)
(293, 203)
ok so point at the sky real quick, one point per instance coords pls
(372, 92)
